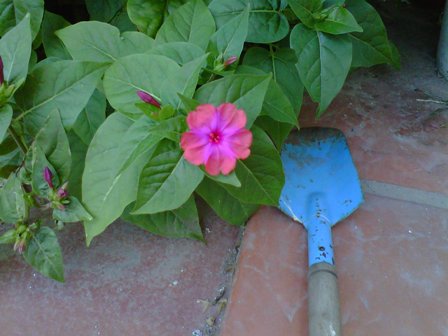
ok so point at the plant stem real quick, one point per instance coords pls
(17, 140)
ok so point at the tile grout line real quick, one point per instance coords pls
(407, 194)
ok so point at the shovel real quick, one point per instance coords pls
(322, 188)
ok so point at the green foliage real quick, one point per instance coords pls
(78, 144)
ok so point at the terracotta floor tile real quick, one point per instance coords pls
(392, 260)
(127, 283)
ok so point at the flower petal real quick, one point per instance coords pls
(193, 139)
(231, 119)
(240, 143)
(212, 166)
(228, 164)
(202, 118)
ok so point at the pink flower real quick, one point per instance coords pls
(217, 138)
(147, 98)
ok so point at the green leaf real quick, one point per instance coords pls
(91, 117)
(266, 22)
(154, 74)
(306, 10)
(338, 21)
(110, 11)
(99, 42)
(54, 143)
(276, 104)
(166, 129)
(44, 254)
(53, 46)
(38, 163)
(5, 120)
(261, 173)
(72, 212)
(167, 181)
(230, 179)
(13, 207)
(44, 92)
(372, 46)
(8, 237)
(247, 92)
(189, 76)
(191, 22)
(10, 156)
(147, 15)
(224, 204)
(15, 50)
(79, 150)
(178, 223)
(7, 16)
(180, 52)
(188, 104)
(104, 193)
(277, 131)
(324, 63)
(229, 39)
(282, 64)
(36, 10)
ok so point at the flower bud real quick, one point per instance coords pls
(48, 177)
(2, 78)
(19, 246)
(230, 61)
(62, 191)
(147, 98)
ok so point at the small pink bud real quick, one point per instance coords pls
(48, 176)
(147, 98)
(2, 78)
(230, 61)
(62, 193)
(19, 246)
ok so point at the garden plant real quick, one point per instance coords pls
(150, 105)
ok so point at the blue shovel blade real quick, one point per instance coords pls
(321, 188)
(318, 165)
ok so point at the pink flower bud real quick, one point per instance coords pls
(2, 78)
(230, 61)
(48, 176)
(62, 193)
(19, 246)
(147, 98)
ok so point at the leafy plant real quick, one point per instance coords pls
(102, 119)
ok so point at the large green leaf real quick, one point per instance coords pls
(54, 143)
(338, 20)
(191, 22)
(180, 52)
(247, 92)
(91, 117)
(277, 131)
(276, 104)
(12, 201)
(228, 41)
(79, 150)
(105, 193)
(36, 10)
(44, 91)
(372, 45)
(167, 181)
(147, 15)
(261, 173)
(224, 204)
(10, 156)
(281, 63)
(15, 50)
(53, 46)
(154, 74)
(7, 17)
(44, 254)
(99, 42)
(324, 63)
(306, 10)
(110, 11)
(178, 223)
(5, 120)
(266, 22)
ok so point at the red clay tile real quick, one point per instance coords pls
(392, 260)
(128, 282)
